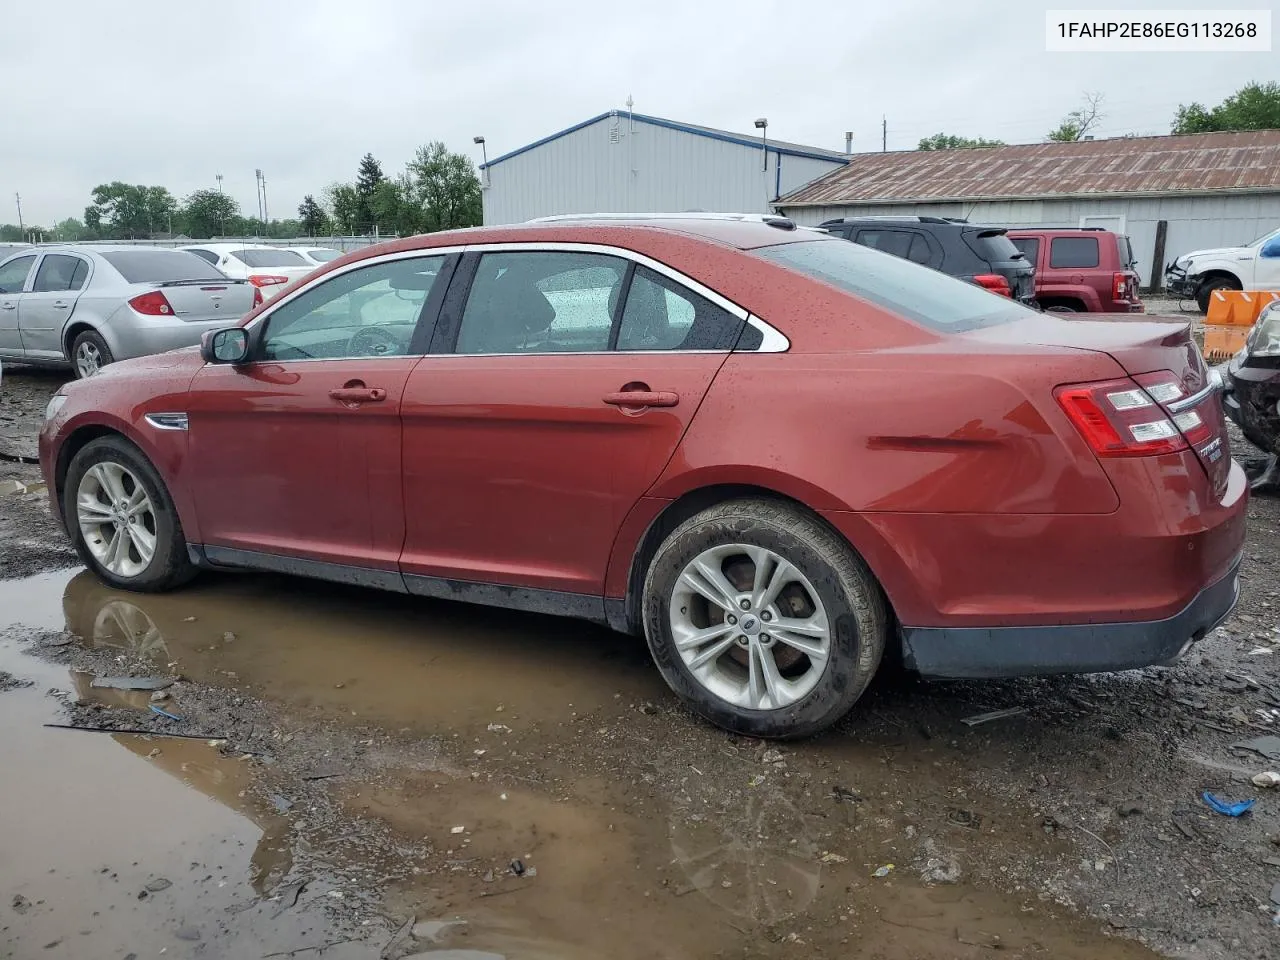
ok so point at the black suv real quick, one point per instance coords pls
(980, 254)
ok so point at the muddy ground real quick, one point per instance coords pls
(350, 774)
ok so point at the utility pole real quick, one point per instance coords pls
(257, 189)
(218, 177)
(265, 214)
(21, 228)
(884, 134)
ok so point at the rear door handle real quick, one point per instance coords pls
(8, 306)
(642, 398)
(358, 394)
(60, 304)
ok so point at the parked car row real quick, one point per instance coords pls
(775, 454)
(87, 305)
(1058, 269)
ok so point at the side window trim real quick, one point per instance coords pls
(427, 316)
(450, 315)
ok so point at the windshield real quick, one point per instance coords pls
(323, 254)
(1262, 239)
(919, 293)
(160, 266)
(269, 258)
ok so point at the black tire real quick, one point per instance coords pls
(89, 339)
(170, 566)
(855, 605)
(1061, 308)
(1209, 286)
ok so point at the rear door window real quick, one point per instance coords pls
(926, 296)
(160, 266)
(662, 315)
(60, 273)
(14, 274)
(896, 242)
(541, 302)
(1030, 247)
(919, 251)
(1078, 253)
(208, 256)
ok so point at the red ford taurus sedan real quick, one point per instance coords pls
(771, 452)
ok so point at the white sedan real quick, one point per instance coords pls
(270, 269)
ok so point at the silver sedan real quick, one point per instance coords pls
(85, 306)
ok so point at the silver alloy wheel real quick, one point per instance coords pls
(88, 358)
(117, 518)
(750, 627)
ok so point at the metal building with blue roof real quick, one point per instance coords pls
(625, 162)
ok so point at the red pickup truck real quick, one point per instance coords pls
(1088, 270)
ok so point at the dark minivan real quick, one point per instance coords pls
(980, 254)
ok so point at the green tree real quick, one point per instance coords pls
(344, 207)
(209, 213)
(1255, 106)
(129, 211)
(1079, 122)
(369, 178)
(443, 188)
(70, 229)
(949, 141)
(314, 220)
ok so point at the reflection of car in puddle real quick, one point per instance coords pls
(104, 619)
(761, 866)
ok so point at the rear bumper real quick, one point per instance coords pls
(975, 652)
(145, 339)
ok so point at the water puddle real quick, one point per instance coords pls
(573, 819)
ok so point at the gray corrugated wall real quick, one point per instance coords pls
(1195, 223)
(648, 169)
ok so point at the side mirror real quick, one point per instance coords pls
(1270, 249)
(225, 346)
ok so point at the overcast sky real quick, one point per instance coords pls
(172, 93)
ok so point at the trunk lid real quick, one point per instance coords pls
(205, 300)
(1142, 347)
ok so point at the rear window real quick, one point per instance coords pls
(1029, 246)
(160, 266)
(1125, 250)
(269, 258)
(1073, 252)
(926, 296)
(324, 256)
(993, 246)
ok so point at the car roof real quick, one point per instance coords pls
(225, 245)
(90, 248)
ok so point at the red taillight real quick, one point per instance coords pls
(1119, 286)
(264, 280)
(995, 283)
(1119, 418)
(152, 304)
(257, 297)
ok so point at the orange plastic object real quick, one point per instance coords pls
(1231, 315)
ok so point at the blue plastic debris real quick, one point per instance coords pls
(1227, 809)
(174, 716)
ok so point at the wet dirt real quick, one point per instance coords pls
(355, 732)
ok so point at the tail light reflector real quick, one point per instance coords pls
(1119, 286)
(1165, 388)
(266, 280)
(257, 297)
(153, 304)
(1119, 419)
(995, 283)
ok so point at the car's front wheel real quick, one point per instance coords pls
(763, 619)
(121, 518)
(1211, 286)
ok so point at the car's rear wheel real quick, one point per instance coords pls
(762, 619)
(89, 354)
(1209, 287)
(121, 518)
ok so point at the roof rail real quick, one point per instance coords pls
(773, 220)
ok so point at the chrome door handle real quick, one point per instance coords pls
(8, 306)
(60, 304)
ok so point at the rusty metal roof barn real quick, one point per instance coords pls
(1207, 163)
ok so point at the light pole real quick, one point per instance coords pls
(21, 228)
(762, 124)
(484, 157)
